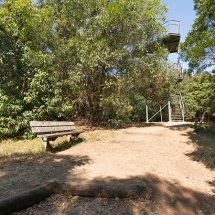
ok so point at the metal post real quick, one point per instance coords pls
(169, 108)
(183, 115)
(147, 114)
(182, 107)
(161, 114)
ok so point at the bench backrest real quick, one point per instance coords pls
(51, 126)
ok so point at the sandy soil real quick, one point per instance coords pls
(154, 155)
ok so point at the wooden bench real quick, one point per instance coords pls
(50, 130)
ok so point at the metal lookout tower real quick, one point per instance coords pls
(175, 104)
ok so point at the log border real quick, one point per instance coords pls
(28, 198)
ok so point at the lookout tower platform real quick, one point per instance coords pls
(172, 40)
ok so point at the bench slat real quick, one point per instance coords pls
(43, 129)
(60, 134)
(51, 123)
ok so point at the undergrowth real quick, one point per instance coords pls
(204, 141)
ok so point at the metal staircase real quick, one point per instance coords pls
(176, 108)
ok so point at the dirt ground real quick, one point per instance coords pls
(155, 155)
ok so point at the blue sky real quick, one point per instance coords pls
(181, 10)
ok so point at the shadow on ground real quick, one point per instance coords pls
(203, 140)
(62, 146)
(26, 172)
(179, 127)
(165, 198)
(204, 143)
(171, 198)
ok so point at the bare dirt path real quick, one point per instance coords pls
(154, 155)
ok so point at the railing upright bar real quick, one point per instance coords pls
(147, 114)
(182, 106)
(161, 114)
(170, 111)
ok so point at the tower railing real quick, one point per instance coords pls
(172, 26)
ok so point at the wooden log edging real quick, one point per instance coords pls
(26, 199)
(107, 190)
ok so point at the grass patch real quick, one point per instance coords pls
(10, 147)
(99, 135)
(14, 148)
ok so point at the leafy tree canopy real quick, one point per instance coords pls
(76, 58)
(199, 45)
(198, 91)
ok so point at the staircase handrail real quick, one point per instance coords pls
(158, 112)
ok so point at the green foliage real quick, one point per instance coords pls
(60, 60)
(138, 111)
(115, 102)
(199, 46)
(198, 91)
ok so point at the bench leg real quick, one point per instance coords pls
(46, 144)
(69, 137)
